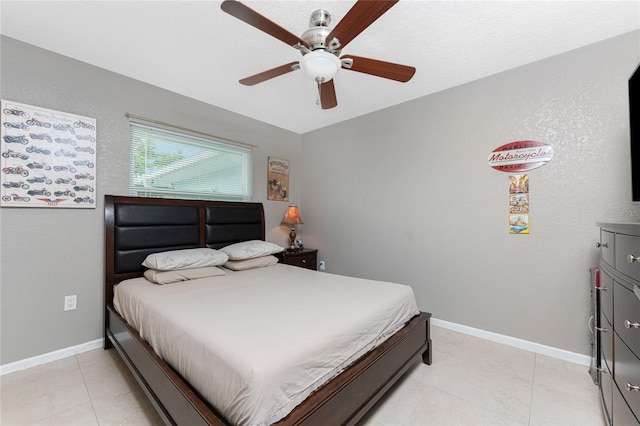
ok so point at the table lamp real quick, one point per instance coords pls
(291, 219)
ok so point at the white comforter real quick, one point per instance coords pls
(256, 343)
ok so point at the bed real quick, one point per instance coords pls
(136, 227)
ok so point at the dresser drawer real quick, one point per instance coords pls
(606, 295)
(606, 246)
(304, 258)
(628, 247)
(621, 412)
(308, 262)
(627, 375)
(606, 390)
(627, 320)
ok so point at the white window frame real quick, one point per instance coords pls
(209, 169)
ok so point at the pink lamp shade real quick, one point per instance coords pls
(292, 216)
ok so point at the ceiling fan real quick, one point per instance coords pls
(321, 46)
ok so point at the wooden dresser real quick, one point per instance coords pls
(620, 322)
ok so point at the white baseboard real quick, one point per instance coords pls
(515, 342)
(12, 367)
(494, 337)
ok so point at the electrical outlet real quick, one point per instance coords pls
(321, 265)
(70, 302)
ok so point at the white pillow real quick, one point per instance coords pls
(250, 249)
(185, 259)
(169, 277)
(257, 262)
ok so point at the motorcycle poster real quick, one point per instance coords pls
(48, 158)
(278, 179)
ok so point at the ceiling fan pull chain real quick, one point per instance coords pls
(319, 80)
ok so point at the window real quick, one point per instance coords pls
(168, 164)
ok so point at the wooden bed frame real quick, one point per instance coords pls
(136, 227)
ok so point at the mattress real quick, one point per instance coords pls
(257, 343)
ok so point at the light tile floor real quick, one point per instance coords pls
(471, 382)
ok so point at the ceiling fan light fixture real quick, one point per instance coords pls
(320, 65)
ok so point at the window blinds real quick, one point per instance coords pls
(169, 164)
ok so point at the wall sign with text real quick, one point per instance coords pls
(516, 157)
(520, 156)
(278, 179)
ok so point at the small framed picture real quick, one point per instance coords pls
(299, 244)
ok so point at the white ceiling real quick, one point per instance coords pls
(195, 49)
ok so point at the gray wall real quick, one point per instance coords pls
(406, 194)
(49, 253)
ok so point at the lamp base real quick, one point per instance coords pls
(292, 239)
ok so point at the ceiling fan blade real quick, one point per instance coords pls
(357, 19)
(268, 74)
(253, 18)
(328, 98)
(397, 72)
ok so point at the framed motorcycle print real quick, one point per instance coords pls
(48, 158)
(278, 179)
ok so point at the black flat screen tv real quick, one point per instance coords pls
(634, 127)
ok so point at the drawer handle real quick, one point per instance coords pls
(631, 387)
(605, 245)
(631, 258)
(304, 260)
(629, 324)
(604, 330)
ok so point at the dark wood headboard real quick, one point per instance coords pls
(136, 227)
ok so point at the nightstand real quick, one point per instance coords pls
(304, 258)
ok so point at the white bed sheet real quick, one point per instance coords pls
(257, 343)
